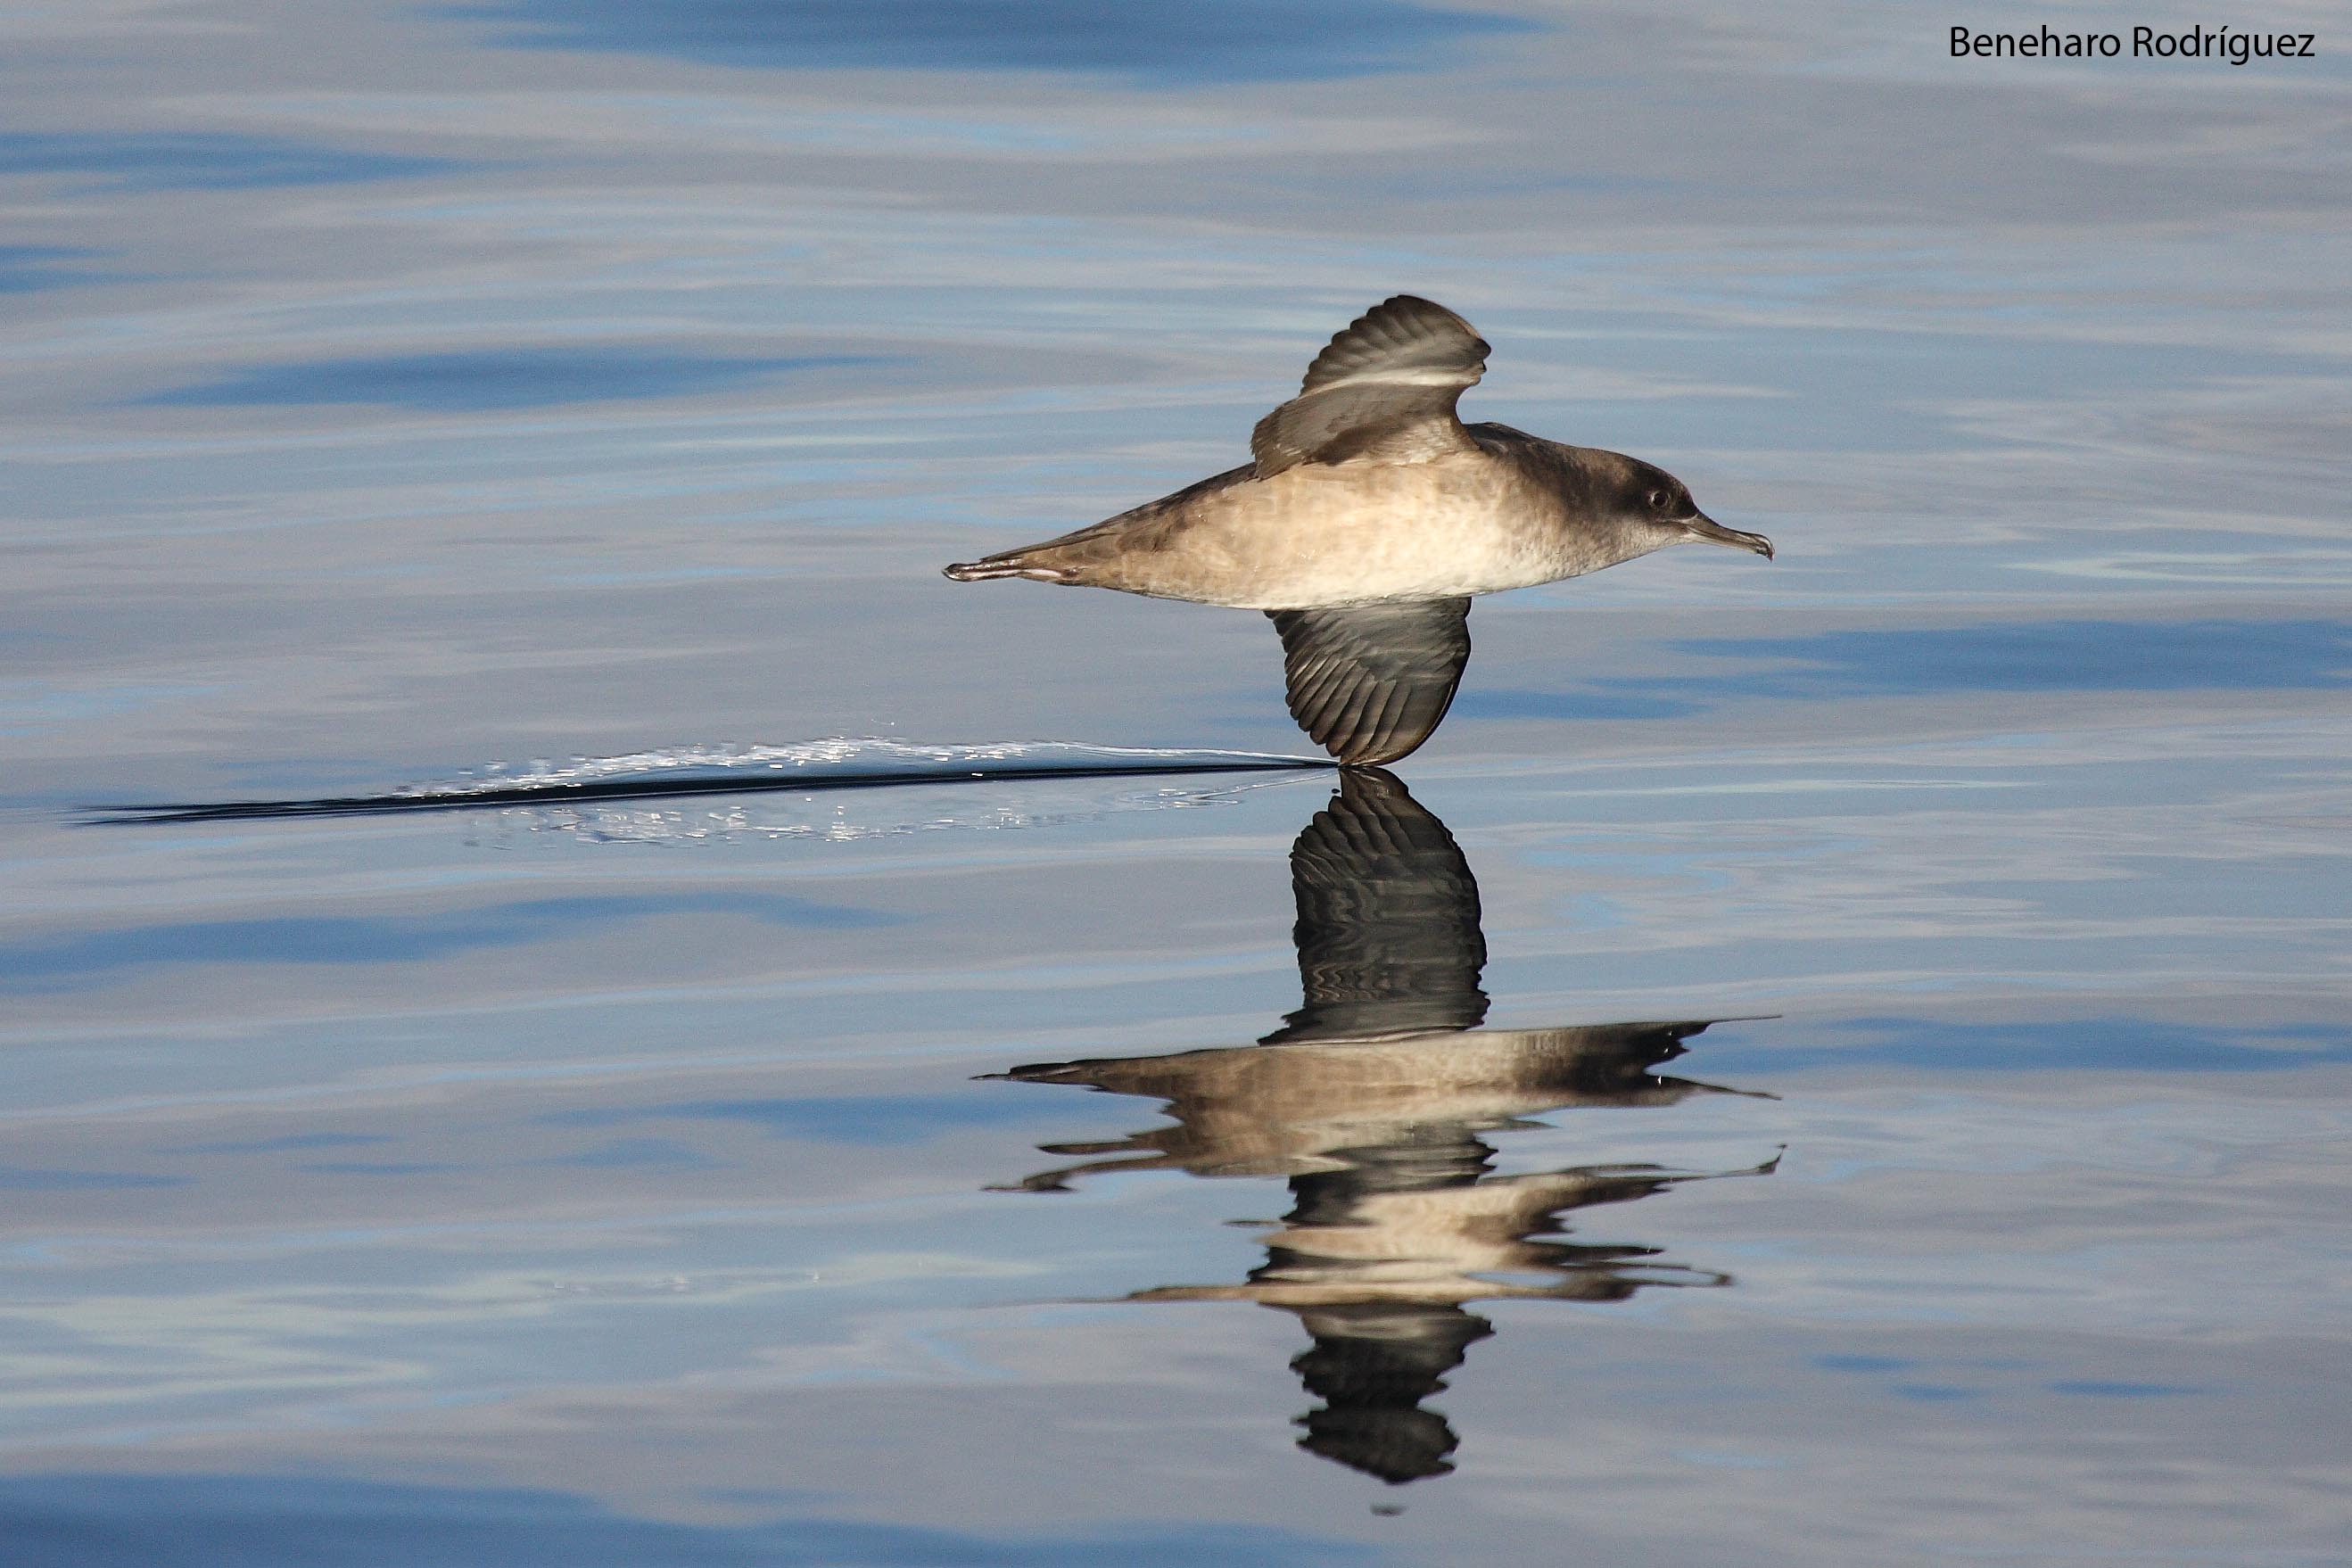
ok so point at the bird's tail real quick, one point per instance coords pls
(1012, 564)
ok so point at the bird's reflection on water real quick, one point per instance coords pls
(1374, 1100)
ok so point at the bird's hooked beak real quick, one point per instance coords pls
(1701, 526)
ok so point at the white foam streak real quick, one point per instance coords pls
(1030, 785)
(822, 759)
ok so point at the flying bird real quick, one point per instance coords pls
(1369, 519)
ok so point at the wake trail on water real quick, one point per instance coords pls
(837, 763)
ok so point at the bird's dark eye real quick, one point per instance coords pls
(1659, 500)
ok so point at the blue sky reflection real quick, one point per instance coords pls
(1205, 42)
(28, 269)
(2113, 1044)
(61, 962)
(2043, 656)
(200, 161)
(478, 380)
(243, 1521)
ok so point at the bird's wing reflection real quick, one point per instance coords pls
(1373, 1101)
(1388, 934)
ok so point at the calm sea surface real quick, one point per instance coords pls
(1846, 1061)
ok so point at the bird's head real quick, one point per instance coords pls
(1657, 509)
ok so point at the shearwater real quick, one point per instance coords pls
(1370, 517)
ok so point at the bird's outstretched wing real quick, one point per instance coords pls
(1369, 682)
(1384, 388)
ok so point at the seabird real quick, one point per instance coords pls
(1368, 519)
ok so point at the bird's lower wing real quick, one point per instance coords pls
(1370, 682)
